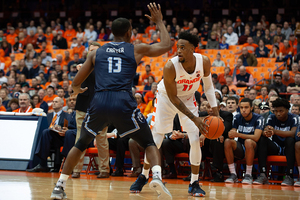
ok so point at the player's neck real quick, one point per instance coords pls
(119, 39)
(190, 64)
(249, 117)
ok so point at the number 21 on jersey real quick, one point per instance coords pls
(114, 64)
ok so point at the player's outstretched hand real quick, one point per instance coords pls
(199, 122)
(79, 90)
(155, 11)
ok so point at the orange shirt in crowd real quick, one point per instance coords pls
(69, 34)
(65, 62)
(137, 37)
(149, 108)
(28, 110)
(251, 47)
(78, 50)
(31, 40)
(294, 45)
(232, 87)
(222, 79)
(11, 38)
(150, 29)
(49, 100)
(285, 51)
(2, 108)
(291, 80)
(149, 96)
(145, 76)
(262, 99)
(49, 37)
(142, 107)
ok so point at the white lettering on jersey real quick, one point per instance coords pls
(114, 50)
(245, 129)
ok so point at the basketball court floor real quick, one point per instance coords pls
(16, 185)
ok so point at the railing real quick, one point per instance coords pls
(272, 75)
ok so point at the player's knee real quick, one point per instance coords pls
(228, 143)
(250, 144)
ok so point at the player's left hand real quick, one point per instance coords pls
(232, 134)
(202, 139)
(221, 139)
(78, 90)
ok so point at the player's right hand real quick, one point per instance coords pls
(79, 90)
(155, 11)
(199, 122)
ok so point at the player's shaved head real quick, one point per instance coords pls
(120, 26)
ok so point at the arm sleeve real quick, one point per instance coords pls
(209, 91)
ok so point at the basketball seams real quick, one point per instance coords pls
(217, 129)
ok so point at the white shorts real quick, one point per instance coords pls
(164, 113)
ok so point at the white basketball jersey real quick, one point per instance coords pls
(186, 83)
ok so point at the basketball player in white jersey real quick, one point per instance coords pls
(182, 75)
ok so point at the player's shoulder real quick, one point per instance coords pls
(256, 116)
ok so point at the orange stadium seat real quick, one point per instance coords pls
(19, 56)
(240, 91)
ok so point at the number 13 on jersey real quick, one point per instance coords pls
(117, 61)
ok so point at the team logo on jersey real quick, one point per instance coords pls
(140, 117)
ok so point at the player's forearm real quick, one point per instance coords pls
(181, 106)
(284, 134)
(165, 39)
(246, 136)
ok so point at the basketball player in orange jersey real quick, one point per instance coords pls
(182, 75)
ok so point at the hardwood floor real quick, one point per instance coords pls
(15, 185)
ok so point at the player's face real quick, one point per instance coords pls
(184, 50)
(245, 109)
(281, 113)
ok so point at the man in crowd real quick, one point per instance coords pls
(232, 105)
(54, 135)
(294, 87)
(278, 83)
(243, 79)
(248, 58)
(24, 104)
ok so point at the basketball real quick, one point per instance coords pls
(216, 127)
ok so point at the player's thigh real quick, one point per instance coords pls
(165, 111)
(239, 152)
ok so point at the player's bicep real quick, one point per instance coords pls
(169, 79)
(206, 66)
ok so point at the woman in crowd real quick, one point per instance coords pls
(261, 51)
(13, 104)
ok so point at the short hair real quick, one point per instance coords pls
(280, 102)
(254, 90)
(193, 39)
(232, 98)
(297, 105)
(264, 86)
(256, 102)
(61, 101)
(248, 89)
(13, 100)
(247, 100)
(94, 44)
(120, 26)
(24, 94)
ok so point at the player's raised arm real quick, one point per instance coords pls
(83, 73)
(164, 45)
(208, 86)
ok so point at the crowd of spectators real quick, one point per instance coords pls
(40, 79)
